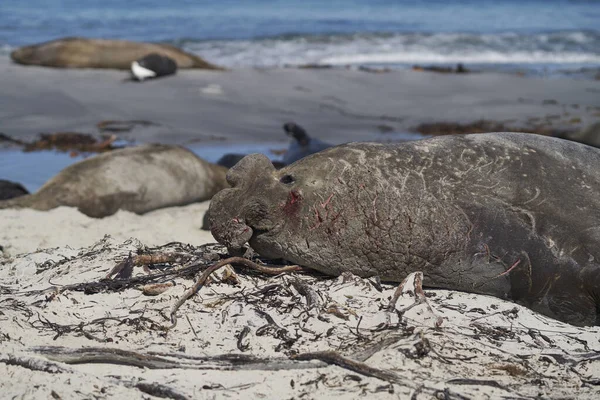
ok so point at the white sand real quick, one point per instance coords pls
(484, 348)
(27, 230)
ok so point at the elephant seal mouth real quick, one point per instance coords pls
(234, 234)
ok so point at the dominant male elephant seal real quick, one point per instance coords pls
(138, 179)
(516, 216)
(100, 53)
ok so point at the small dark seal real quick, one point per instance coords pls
(153, 66)
(302, 145)
(515, 216)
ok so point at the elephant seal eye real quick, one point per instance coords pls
(287, 179)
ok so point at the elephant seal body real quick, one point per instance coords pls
(100, 53)
(137, 179)
(516, 216)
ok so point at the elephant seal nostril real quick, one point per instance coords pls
(287, 179)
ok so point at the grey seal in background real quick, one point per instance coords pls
(9, 190)
(515, 216)
(76, 52)
(137, 179)
(303, 145)
(153, 66)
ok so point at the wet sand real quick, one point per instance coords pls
(250, 105)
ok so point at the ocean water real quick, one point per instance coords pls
(537, 36)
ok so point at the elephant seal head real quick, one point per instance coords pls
(254, 207)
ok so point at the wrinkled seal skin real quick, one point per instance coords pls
(516, 216)
(137, 179)
(75, 52)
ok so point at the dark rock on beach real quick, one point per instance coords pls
(10, 190)
(460, 69)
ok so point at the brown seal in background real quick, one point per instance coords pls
(137, 179)
(78, 52)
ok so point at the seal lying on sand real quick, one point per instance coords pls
(153, 66)
(100, 53)
(303, 145)
(515, 216)
(138, 179)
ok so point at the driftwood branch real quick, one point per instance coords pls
(155, 360)
(232, 260)
(334, 358)
(33, 364)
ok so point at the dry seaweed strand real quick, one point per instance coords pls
(334, 358)
(124, 269)
(232, 260)
(420, 297)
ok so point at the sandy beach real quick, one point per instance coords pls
(336, 105)
(68, 333)
(243, 337)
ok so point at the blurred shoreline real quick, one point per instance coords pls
(250, 105)
(558, 38)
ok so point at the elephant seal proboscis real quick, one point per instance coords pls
(137, 179)
(78, 52)
(512, 215)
